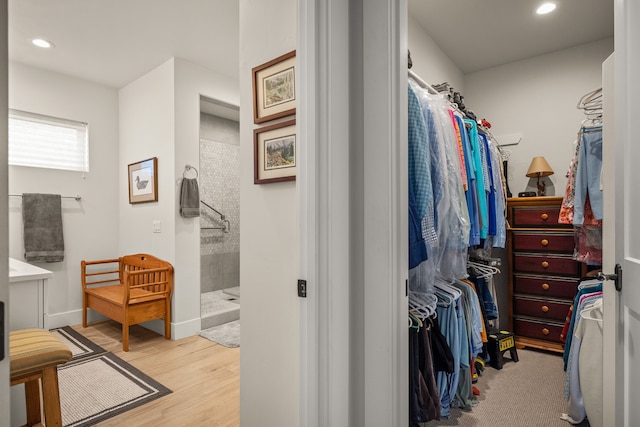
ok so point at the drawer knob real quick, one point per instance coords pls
(545, 331)
(544, 242)
(544, 264)
(544, 308)
(544, 216)
(545, 286)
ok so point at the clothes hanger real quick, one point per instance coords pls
(446, 292)
(485, 271)
(414, 321)
(422, 304)
(589, 283)
(589, 97)
(586, 312)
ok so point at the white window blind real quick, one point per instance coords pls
(47, 142)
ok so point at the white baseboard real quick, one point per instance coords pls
(69, 318)
(185, 329)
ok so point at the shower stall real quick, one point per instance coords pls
(219, 182)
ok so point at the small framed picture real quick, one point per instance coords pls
(275, 153)
(274, 88)
(143, 181)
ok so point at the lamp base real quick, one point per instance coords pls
(540, 187)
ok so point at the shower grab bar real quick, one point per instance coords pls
(227, 225)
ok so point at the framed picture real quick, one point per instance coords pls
(274, 88)
(275, 153)
(143, 181)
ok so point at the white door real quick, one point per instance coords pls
(627, 211)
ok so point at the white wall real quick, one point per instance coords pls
(147, 130)
(160, 117)
(191, 81)
(269, 379)
(537, 98)
(89, 226)
(429, 61)
(146, 109)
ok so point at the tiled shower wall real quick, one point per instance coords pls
(219, 174)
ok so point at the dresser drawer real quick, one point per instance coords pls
(541, 241)
(548, 309)
(532, 328)
(546, 264)
(555, 287)
(540, 216)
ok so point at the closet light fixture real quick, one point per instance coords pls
(546, 8)
(539, 168)
(45, 44)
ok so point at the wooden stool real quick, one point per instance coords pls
(35, 355)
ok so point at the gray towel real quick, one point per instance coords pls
(42, 219)
(189, 198)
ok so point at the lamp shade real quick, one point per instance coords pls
(539, 167)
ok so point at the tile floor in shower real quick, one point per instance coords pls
(218, 307)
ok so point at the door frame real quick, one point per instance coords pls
(5, 406)
(352, 193)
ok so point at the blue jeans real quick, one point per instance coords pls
(588, 175)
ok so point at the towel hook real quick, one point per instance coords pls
(187, 168)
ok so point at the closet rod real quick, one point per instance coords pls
(78, 198)
(422, 83)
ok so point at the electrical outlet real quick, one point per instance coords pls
(156, 226)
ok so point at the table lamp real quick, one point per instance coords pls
(537, 169)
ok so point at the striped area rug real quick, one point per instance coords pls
(80, 346)
(97, 385)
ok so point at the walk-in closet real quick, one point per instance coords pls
(505, 212)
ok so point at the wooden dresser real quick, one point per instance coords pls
(543, 275)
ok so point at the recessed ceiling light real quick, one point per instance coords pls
(46, 44)
(546, 8)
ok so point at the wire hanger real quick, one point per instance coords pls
(483, 270)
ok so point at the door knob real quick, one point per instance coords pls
(616, 277)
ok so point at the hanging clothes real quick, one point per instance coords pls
(582, 204)
(456, 202)
(420, 193)
(588, 174)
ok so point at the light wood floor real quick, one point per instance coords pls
(204, 377)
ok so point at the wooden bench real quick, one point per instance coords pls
(131, 289)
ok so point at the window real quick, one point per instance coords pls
(47, 142)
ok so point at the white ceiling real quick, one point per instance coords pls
(479, 34)
(113, 42)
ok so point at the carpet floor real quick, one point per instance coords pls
(527, 393)
(227, 334)
(97, 385)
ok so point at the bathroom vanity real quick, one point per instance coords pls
(27, 309)
(27, 295)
